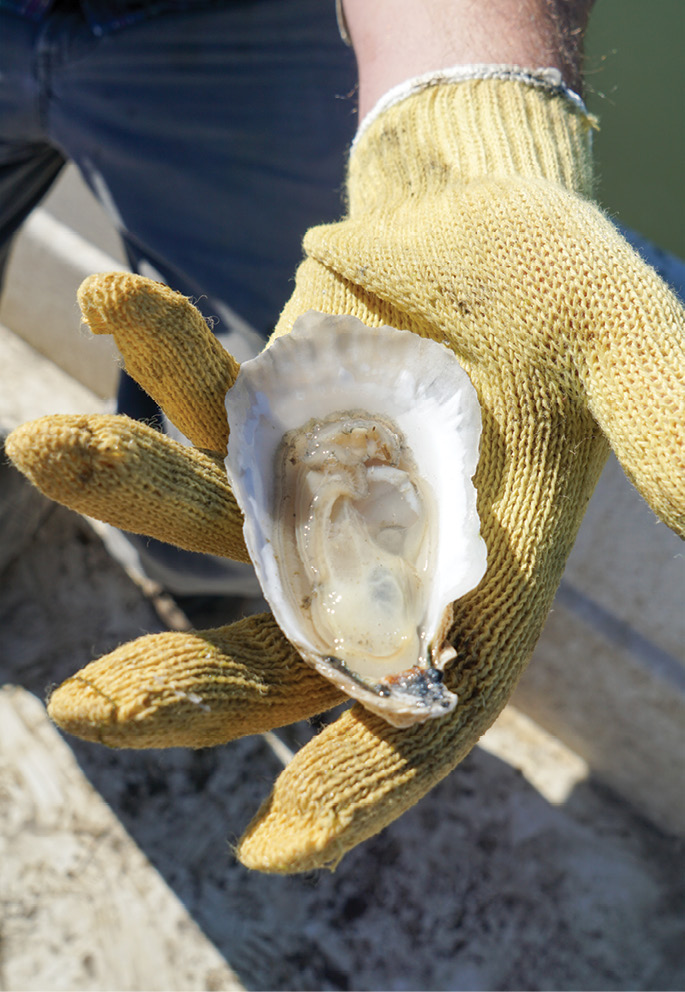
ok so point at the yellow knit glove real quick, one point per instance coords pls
(174, 689)
(468, 224)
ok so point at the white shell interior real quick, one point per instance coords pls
(329, 365)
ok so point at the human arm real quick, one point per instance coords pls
(395, 40)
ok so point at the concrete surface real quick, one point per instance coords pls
(608, 674)
(69, 237)
(48, 263)
(82, 905)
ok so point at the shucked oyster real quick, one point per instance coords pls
(351, 455)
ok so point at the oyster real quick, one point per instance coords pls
(351, 454)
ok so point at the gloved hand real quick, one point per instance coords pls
(468, 223)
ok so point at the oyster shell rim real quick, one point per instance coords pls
(401, 701)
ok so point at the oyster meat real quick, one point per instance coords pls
(351, 454)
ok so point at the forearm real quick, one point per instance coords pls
(395, 40)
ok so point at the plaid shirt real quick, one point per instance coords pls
(105, 15)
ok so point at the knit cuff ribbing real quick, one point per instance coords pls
(469, 123)
(548, 79)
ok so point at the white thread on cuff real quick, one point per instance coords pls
(544, 78)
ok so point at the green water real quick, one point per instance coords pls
(635, 83)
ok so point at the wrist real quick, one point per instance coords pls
(446, 129)
(395, 40)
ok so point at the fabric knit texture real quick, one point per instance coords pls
(469, 222)
(159, 332)
(190, 687)
(133, 477)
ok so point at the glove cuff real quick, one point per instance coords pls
(469, 123)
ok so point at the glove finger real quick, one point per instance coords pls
(192, 689)
(349, 783)
(633, 342)
(168, 349)
(125, 473)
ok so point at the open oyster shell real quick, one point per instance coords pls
(351, 455)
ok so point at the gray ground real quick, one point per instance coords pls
(484, 885)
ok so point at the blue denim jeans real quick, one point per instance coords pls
(214, 137)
